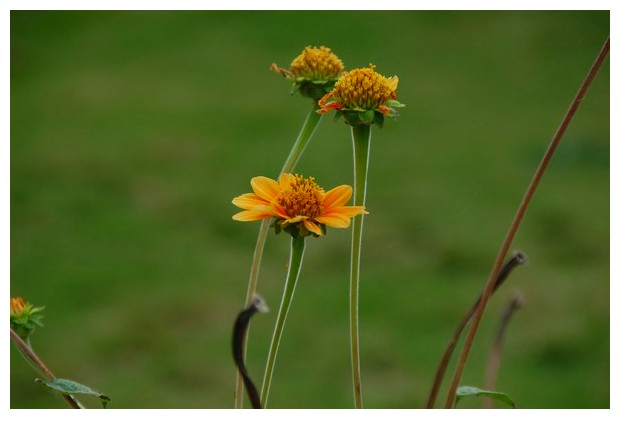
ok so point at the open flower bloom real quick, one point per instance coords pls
(298, 205)
(313, 72)
(363, 96)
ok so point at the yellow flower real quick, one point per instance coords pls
(298, 205)
(313, 72)
(361, 93)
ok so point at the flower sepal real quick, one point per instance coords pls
(363, 117)
(296, 230)
(392, 105)
(313, 89)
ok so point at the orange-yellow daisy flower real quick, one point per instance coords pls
(298, 205)
(313, 72)
(362, 93)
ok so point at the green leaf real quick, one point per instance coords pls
(465, 391)
(70, 387)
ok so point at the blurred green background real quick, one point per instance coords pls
(132, 131)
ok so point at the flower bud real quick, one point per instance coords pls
(313, 72)
(363, 97)
(24, 317)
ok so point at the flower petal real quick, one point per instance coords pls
(329, 106)
(285, 181)
(338, 196)
(392, 83)
(265, 188)
(249, 215)
(284, 72)
(340, 217)
(279, 211)
(384, 110)
(335, 220)
(346, 211)
(312, 227)
(324, 99)
(298, 218)
(249, 201)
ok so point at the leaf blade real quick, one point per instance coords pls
(70, 387)
(466, 391)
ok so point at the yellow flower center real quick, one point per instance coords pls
(364, 89)
(304, 198)
(317, 64)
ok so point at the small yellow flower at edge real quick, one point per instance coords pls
(314, 72)
(297, 204)
(17, 307)
(363, 96)
(24, 317)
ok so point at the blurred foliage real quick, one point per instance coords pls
(132, 131)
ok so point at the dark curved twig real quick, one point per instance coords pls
(238, 340)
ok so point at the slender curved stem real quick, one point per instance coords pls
(32, 358)
(516, 302)
(304, 137)
(307, 130)
(361, 148)
(527, 197)
(518, 259)
(294, 266)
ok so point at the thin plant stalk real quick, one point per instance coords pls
(361, 148)
(518, 259)
(294, 267)
(496, 353)
(34, 360)
(527, 197)
(307, 130)
(304, 137)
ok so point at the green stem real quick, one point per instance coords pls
(33, 359)
(305, 134)
(294, 266)
(361, 149)
(307, 130)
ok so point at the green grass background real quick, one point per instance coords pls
(132, 131)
